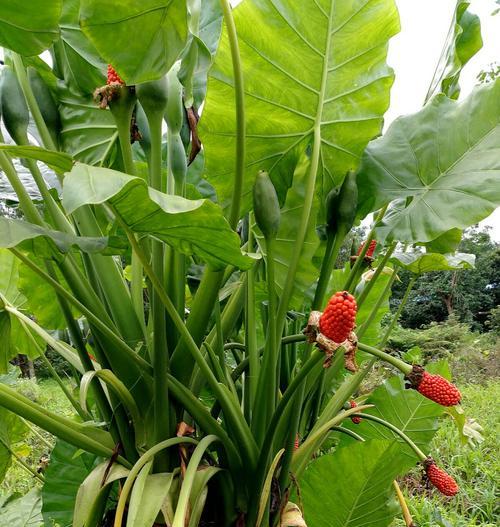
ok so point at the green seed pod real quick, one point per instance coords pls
(153, 96)
(341, 205)
(266, 206)
(143, 125)
(177, 155)
(15, 111)
(174, 112)
(46, 103)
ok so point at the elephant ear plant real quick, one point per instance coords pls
(217, 339)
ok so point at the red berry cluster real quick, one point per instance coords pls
(113, 76)
(339, 317)
(356, 420)
(438, 389)
(297, 442)
(440, 479)
(371, 249)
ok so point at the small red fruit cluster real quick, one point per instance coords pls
(371, 249)
(113, 77)
(434, 387)
(440, 479)
(356, 420)
(339, 317)
(439, 390)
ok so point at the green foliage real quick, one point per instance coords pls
(29, 28)
(67, 469)
(469, 294)
(413, 414)
(475, 468)
(187, 225)
(322, 61)
(294, 88)
(22, 511)
(424, 162)
(463, 42)
(351, 486)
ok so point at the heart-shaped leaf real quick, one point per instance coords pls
(305, 67)
(444, 161)
(67, 470)
(463, 42)
(191, 226)
(88, 132)
(351, 487)
(140, 39)
(77, 59)
(29, 27)
(412, 413)
(419, 263)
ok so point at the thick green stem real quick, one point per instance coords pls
(397, 363)
(93, 319)
(396, 316)
(25, 202)
(394, 429)
(380, 268)
(32, 104)
(189, 476)
(351, 279)
(250, 346)
(231, 410)
(74, 403)
(134, 472)
(333, 245)
(380, 300)
(239, 95)
(56, 425)
(266, 449)
(265, 401)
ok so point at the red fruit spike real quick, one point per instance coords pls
(356, 420)
(438, 389)
(297, 442)
(371, 249)
(113, 76)
(339, 317)
(440, 479)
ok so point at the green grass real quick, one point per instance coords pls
(476, 468)
(49, 395)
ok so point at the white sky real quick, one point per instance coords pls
(414, 52)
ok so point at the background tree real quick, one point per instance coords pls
(468, 294)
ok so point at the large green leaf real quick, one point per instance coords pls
(23, 511)
(419, 263)
(191, 226)
(148, 494)
(67, 470)
(351, 487)
(29, 27)
(446, 243)
(462, 43)
(412, 413)
(91, 490)
(285, 244)
(57, 160)
(77, 59)
(303, 63)
(14, 233)
(88, 132)
(444, 160)
(140, 39)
